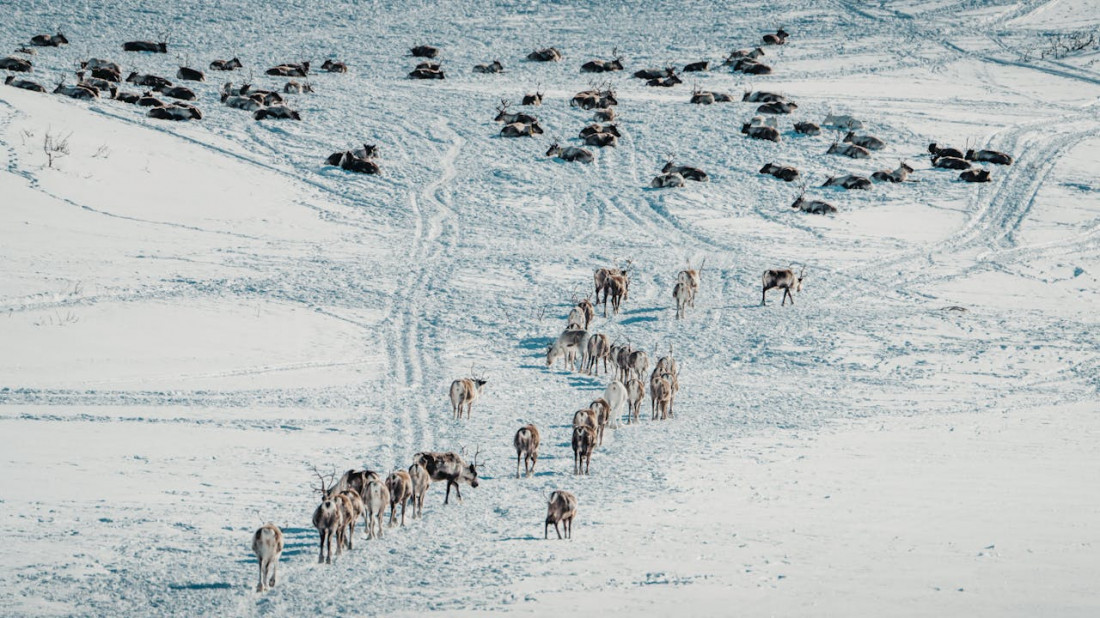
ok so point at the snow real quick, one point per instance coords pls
(193, 314)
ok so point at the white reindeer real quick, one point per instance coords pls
(465, 392)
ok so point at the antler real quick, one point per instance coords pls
(323, 489)
(478, 451)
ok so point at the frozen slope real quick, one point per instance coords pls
(194, 314)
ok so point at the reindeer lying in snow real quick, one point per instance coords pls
(664, 181)
(604, 66)
(25, 84)
(17, 65)
(492, 67)
(277, 111)
(49, 40)
(289, 69)
(989, 156)
(226, 65)
(359, 160)
(549, 54)
(806, 128)
(176, 111)
(766, 133)
(689, 173)
(779, 38)
(867, 141)
(570, 153)
(814, 207)
(848, 182)
(901, 174)
(782, 172)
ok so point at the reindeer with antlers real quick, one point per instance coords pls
(449, 467)
(783, 279)
(464, 392)
(604, 66)
(814, 207)
(328, 519)
(535, 98)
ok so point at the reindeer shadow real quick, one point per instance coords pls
(209, 586)
(636, 320)
(642, 310)
(535, 343)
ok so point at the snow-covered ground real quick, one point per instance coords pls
(193, 314)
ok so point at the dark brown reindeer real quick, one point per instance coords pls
(584, 441)
(333, 66)
(934, 149)
(190, 75)
(24, 84)
(848, 182)
(782, 172)
(147, 46)
(752, 67)
(548, 54)
(849, 150)
(278, 112)
(807, 128)
(328, 520)
(689, 173)
(424, 51)
(975, 175)
(17, 65)
(601, 140)
(697, 67)
(648, 74)
(665, 82)
(777, 107)
(535, 98)
(289, 69)
(785, 280)
(738, 54)
(49, 40)
(950, 163)
(491, 67)
(176, 111)
(989, 156)
(779, 38)
(761, 132)
(449, 467)
(604, 66)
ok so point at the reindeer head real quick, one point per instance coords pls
(555, 149)
(469, 472)
(801, 276)
(502, 110)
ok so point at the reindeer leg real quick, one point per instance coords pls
(447, 498)
(404, 504)
(557, 530)
(260, 586)
(393, 508)
(274, 571)
(517, 465)
(458, 493)
(764, 297)
(321, 554)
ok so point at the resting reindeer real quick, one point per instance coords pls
(689, 173)
(503, 115)
(527, 448)
(24, 84)
(267, 544)
(779, 38)
(842, 122)
(867, 141)
(807, 128)
(738, 54)
(519, 129)
(935, 149)
(782, 172)
(761, 132)
(814, 207)
(18, 65)
(901, 174)
(975, 175)
(549, 54)
(761, 96)
(570, 153)
(989, 156)
(593, 129)
(663, 181)
(561, 508)
(785, 280)
(849, 150)
(49, 40)
(226, 65)
(332, 66)
(449, 467)
(604, 66)
(848, 182)
(189, 74)
(491, 67)
(464, 392)
(752, 67)
(146, 46)
(777, 107)
(424, 51)
(533, 98)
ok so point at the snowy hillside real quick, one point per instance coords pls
(195, 313)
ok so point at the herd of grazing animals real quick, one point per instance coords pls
(363, 493)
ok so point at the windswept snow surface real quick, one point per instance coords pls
(193, 314)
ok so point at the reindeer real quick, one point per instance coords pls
(601, 140)
(575, 320)
(561, 507)
(49, 40)
(333, 66)
(777, 107)
(376, 496)
(593, 129)
(146, 46)
(807, 128)
(601, 279)
(619, 288)
(464, 392)
(267, 544)
(179, 92)
(93, 64)
(527, 448)
(752, 67)
(570, 153)
(566, 347)
(101, 86)
(785, 280)
(696, 67)
(294, 87)
(935, 149)
(277, 111)
(848, 182)
(901, 174)
(289, 70)
(449, 467)
(152, 81)
(689, 173)
(25, 84)
(849, 150)
(779, 38)
(760, 96)
(127, 97)
(533, 99)
(148, 100)
(248, 104)
(690, 278)
(349, 161)
(191, 75)
(975, 175)
(328, 520)
(421, 480)
(842, 122)
(738, 54)
(661, 393)
(603, 417)
(667, 364)
(77, 92)
(400, 486)
(354, 479)
(636, 394)
(637, 363)
(604, 66)
(586, 418)
(814, 207)
(424, 51)
(989, 156)
(226, 65)
(785, 173)
(596, 349)
(23, 49)
(682, 295)
(503, 115)
(430, 66)
(663, 181)
(664, 82)
(175, 111)
(950, 163)
(492, 67)
(584, 441)
(427, 74)
(604, 115)
(520, 129)
(549, 54)
(586, 308)
(616, 397)
(17, 65)
(761, 121)
(351, 507)
(867, 141)
(620, 356)
(106, 74)
(648, 74)
(761, 132)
